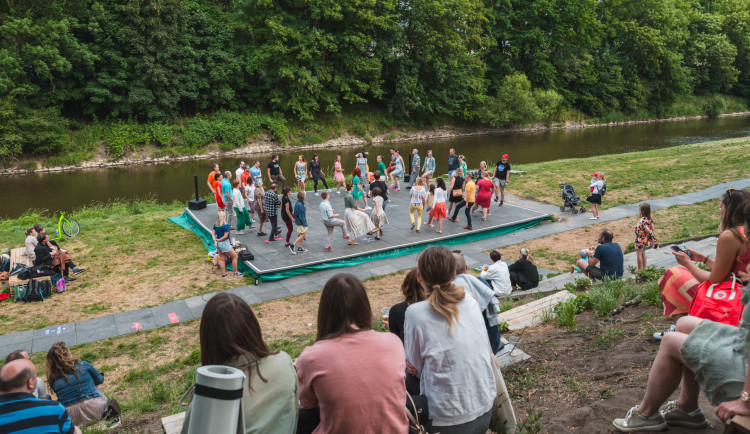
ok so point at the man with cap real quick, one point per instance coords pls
(502, 175)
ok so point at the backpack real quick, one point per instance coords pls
(603, 190)
(33, 291)
(245, 255)
(718, 302)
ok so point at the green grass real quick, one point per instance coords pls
(637, 176)
(604, 296)
(121, 243)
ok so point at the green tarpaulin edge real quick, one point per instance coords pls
(185, 221)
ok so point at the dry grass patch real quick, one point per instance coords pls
(557, 252)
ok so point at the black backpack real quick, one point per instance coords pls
(245, 255)
(603, 189)
(33, 291)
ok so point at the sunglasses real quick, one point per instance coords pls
(730, 191)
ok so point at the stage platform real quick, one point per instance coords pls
(273, 261)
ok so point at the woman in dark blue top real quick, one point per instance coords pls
(75, 384)
(300, 219)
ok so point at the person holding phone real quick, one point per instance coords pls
(678, 285)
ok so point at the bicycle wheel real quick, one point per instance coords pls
(70, 227)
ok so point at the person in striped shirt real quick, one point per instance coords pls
(20, 412)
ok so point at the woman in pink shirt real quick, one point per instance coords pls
(339, 374)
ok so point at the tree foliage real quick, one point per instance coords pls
(499, 62)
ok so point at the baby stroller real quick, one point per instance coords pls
(570, 199)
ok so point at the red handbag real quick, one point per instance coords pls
(719, 302)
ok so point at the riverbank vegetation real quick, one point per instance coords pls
(182, 75)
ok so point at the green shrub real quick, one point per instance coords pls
(714, 106)
(650, 274)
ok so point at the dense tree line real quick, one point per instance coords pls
(495, 62)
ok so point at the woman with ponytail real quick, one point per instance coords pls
(447, 348)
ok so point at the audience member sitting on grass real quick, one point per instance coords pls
(40, 391)
(65, 258)
(497, 274)
(224, 248)
(30, 242)
(230, 335)
(20, 411)
(699, 355)
(482, 292)
(678, 285)
(47, 255)
(523, 273)
(75, 382)
(608, 254)
(352, 376)
(445, 349)
(413, 293)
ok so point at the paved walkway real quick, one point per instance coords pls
(184, 310)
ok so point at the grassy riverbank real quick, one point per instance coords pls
(134, 258)
(224, 131)
(638, 176)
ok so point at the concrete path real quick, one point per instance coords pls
(187, 309)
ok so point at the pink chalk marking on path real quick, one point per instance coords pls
(137, 326)
(173, 317)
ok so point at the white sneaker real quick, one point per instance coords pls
(660, 335)
(317, 194)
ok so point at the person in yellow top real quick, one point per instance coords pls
(470, 191)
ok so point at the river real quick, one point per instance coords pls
(167, 182)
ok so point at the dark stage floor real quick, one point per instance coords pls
(274, 257)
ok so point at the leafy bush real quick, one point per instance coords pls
(714, 106)
(121, 136)
(23, 129)
(649, 274)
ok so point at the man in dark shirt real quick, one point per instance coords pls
(608, 254)
(274, 172)
(48, 254)
(382, 186)
(42, 251)
(21, 412)
(501, 178)
(271, 204)
(452, 163)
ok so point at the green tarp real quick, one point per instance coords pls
(188, 223)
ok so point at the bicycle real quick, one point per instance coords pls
(66, 226)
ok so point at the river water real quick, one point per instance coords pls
(167, 182)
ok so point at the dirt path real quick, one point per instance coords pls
(580, 381)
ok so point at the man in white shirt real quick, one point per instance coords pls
(497, 274)
(330, 220)
(241, 169)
